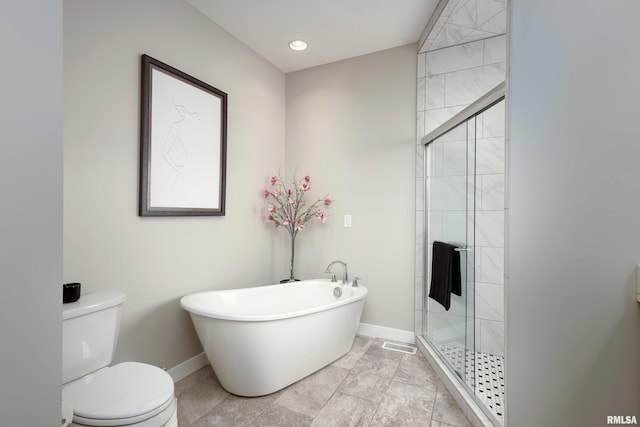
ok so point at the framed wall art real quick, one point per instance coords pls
(183, 143)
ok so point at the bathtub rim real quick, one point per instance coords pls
(360, 292)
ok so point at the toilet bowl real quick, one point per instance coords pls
(126, 394)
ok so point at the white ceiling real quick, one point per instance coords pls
(334, 29)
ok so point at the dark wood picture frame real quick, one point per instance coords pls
(183, 144)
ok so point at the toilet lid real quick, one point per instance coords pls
(126, 390)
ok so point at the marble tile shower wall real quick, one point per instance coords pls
(463, 21)
(449, 80)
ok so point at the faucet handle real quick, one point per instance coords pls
(355, 282)
(333, 276)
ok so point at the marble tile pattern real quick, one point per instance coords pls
(490, 226)
(449, 79)
(463, 21)
(369, 386)
(455, 77)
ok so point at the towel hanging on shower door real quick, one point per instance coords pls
(445, 273)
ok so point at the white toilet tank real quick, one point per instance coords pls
(89, 333)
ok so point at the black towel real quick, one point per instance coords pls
(445, 273)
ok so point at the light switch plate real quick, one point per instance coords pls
(347, 221)
(638, 283)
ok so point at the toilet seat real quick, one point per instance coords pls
(126, 393)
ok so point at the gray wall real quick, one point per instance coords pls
(155, 261)
(31, 213)
(350, 126)
(573, 325)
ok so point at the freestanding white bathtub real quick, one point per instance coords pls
(260, 340)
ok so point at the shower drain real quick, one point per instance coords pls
(399, 347)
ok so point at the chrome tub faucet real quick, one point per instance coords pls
(345, 275)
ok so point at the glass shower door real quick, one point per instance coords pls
(450, 217)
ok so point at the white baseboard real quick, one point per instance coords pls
(386, 333)
(188, 367)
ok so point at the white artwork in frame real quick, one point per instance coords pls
(183, 144)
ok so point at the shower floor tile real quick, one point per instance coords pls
(489, 381)
(407, 392)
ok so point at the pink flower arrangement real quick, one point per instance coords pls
(289, 209)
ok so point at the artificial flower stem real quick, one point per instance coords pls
(293, 253)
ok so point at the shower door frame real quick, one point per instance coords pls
(465, 247)
(467, 391)
(492, 97)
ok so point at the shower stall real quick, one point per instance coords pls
(464, 206)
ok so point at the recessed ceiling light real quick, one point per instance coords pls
(298, 44)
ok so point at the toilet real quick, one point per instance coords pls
(126, 394)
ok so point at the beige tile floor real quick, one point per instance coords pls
(369, 386)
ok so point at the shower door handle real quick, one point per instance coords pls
(461, 249)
